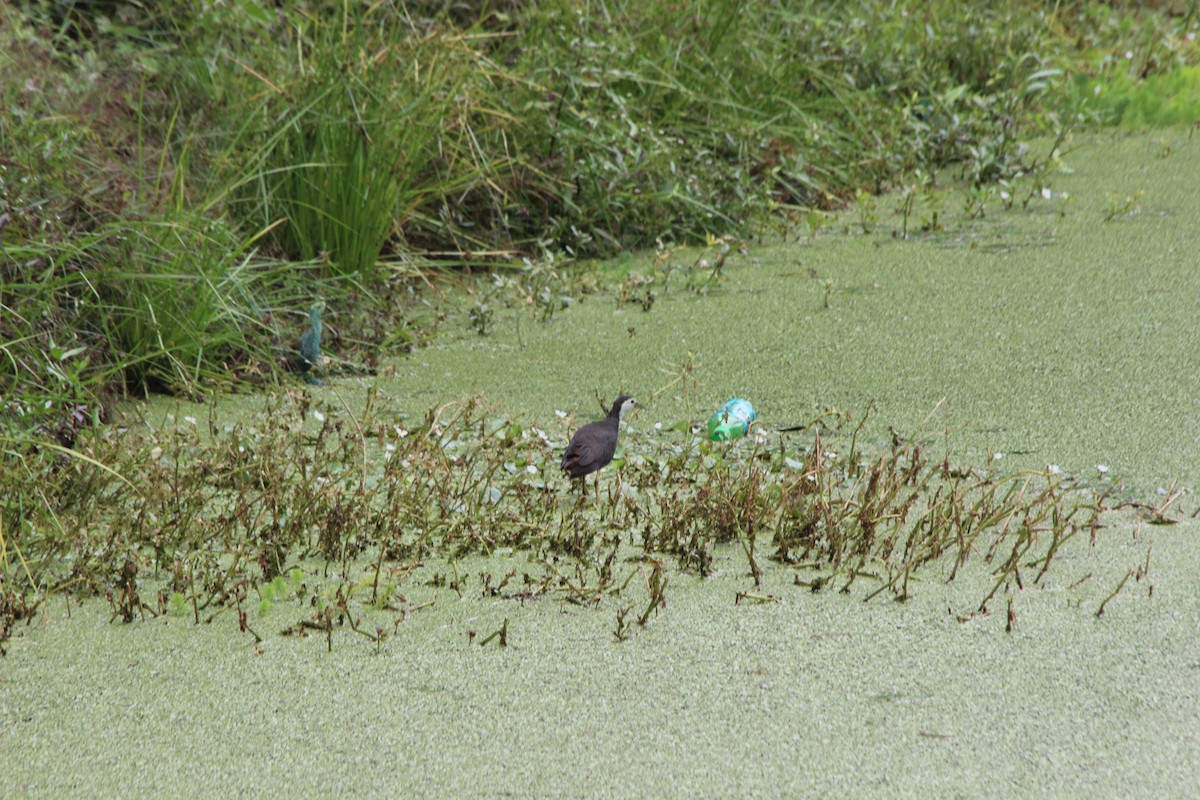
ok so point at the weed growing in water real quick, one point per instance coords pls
(1125, 206)
(217, 514)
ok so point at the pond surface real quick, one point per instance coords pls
(1052, 339)
(814, 694)
(1065, 340)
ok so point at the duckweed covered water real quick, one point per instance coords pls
(810, 694)
(1063, 340)
(1053, 340)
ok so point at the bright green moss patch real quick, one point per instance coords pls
(1172, 98)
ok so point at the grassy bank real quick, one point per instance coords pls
(181, 181)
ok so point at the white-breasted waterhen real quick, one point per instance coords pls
(592, 447)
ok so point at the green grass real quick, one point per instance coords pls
(1172, 98)
(341, 151)
(165, 159)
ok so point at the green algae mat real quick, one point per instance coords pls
(1058, 338)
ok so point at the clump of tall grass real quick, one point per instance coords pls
(181, 306)
(340, 147)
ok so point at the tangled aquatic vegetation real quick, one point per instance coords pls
(201, 517)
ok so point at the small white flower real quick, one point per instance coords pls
(190, 420)
(560, 414)
(1129, 55)
(49, 403)
(531, 469)
(658, 426)
(1004, 195)
(400, 432)
(320, 417)
(997, 456)
(1054, 469)
(241, 448)
(156, 453)
(1045, 192)
(1102, 468)
(391, 448)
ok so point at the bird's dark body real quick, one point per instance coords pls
(594, 445)
(592, 448)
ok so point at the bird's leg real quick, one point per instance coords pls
(597, 487)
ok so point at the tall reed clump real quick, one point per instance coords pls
(344, 149)
(178, 301)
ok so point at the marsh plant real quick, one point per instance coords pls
(312, 500)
